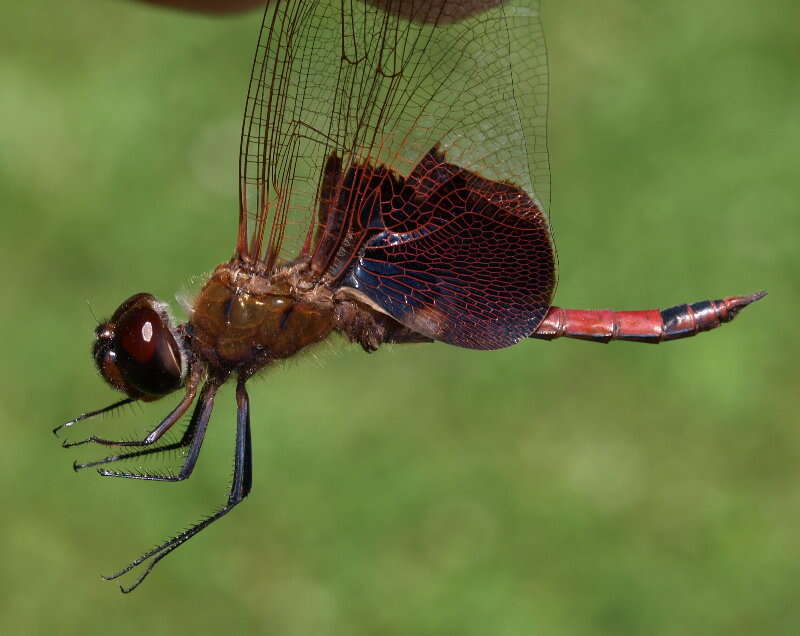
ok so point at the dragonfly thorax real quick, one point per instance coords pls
(242, 320)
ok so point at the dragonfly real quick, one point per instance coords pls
(393, 188)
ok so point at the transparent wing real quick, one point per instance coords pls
(210, 6)
(381, 83)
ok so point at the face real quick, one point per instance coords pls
(138, 352)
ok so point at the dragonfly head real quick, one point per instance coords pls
(138, 351)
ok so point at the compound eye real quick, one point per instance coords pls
(147, 356)
(136, 351)
(107, 363)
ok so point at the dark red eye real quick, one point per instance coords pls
(136, 351)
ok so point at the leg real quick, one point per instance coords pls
(240, 488)
(158, 431)
(193, 437)
(86, 416)
(183, 442)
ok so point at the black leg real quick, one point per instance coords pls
(240, 487)
(183, 442)
(193, 437)
(243, 459)
(158, 431)
(86, 416)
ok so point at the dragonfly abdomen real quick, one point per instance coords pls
(650, 325)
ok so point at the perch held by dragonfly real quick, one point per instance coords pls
(393, 189)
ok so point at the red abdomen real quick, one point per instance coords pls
(650, 325)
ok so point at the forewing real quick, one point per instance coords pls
(379, 83)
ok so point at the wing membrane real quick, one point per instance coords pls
(379, 83)
(452, 256)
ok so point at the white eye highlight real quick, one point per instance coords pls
(147, 331)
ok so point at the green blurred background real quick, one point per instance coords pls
(550, 488)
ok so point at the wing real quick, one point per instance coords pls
(447, 253)
(338, 85)
(456, 10)
(210, 6)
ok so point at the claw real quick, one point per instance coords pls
(67, 444)
(60, 426)
(76, 466)
(73, 421)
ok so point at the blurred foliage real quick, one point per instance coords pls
(562, 488)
